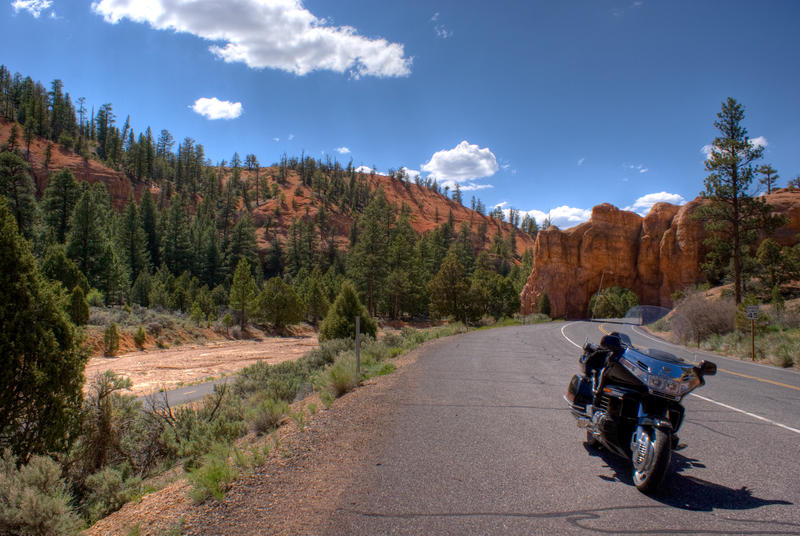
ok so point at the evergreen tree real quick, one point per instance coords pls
(241, 245)
(366, 263)
(177, 248)
(315, 298)
(78, 307)
(769, 177)
(56, 266)
(340, 322)
(448, 289)
(86, 241)
(132, 241)
(113, 279)
(17, 186)
(543, 305)
(140, 291)
(149, 216)
(40, 353)
(60, 198)
(278, 304)
(733, 215)
(243, 292)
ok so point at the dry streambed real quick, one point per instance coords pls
(152, 370)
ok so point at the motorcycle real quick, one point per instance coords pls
(629, 401)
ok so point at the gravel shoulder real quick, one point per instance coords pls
(302, 483)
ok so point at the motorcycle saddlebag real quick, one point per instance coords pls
(579, 392)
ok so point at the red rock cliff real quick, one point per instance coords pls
(653, 256)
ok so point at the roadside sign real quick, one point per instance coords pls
(752, 312)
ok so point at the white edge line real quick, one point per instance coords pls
(753, 415)
(576, 345)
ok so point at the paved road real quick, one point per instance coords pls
(483, 444)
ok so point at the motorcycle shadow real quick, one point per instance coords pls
(684, 491)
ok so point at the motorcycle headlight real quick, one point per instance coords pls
(663, 385)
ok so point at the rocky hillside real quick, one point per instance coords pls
(653, 256)
(428, 208)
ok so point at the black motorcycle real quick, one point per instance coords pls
(629, 400)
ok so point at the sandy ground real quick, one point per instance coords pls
(152, 370)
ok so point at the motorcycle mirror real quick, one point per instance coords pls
(707, 368)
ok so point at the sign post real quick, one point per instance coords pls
(752, 315)
(358, 346)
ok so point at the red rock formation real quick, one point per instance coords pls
(653, 256)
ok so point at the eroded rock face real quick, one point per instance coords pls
(653, 256)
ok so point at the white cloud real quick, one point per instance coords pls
(442, 32)
(275, 34)
(760, 141)
(276, 140)
(363, 169)
(34, 7)
(342, 150)
(581, 161)
(643, 205)
(435, 17)
(563, 217)
(410, 173)
(472, 186)
(214, 108)
(291, 137)
(636, 167)
(462, 163)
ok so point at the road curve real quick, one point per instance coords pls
(482, 443)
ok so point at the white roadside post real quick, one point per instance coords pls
(752, 316)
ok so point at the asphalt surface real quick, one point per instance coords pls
(483, 443)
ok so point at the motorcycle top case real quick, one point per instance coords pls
(579, 391)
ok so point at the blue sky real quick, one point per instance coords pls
(549, 107)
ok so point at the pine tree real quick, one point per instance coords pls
(448, 289)
(78, 307)
(243, 292)
(113, 279)
(149, 216)
(86, 241)
(366, 263)
(733, 215)
(60, 198)
(17, 186)
(40, 353)
(340, 322)
(132, 241)
(769, 178)
(177, 247)
(241, 245)
(56, 266)
(278, 304)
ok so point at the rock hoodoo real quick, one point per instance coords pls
(653, 256)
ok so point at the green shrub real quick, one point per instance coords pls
(341, 376)
(213, 476)
(543, 305)
(34, 499)
(281, 381)
(268, 414)
(612, 302)
(109, 489)
(139, 337)
(327, 352)
(111, 340)
(95, 298)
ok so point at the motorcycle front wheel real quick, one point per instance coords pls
(651, 459)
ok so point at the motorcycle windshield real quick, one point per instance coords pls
(659, 363)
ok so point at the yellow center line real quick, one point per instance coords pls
(726, 371)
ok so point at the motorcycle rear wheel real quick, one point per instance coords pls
(651, 469)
